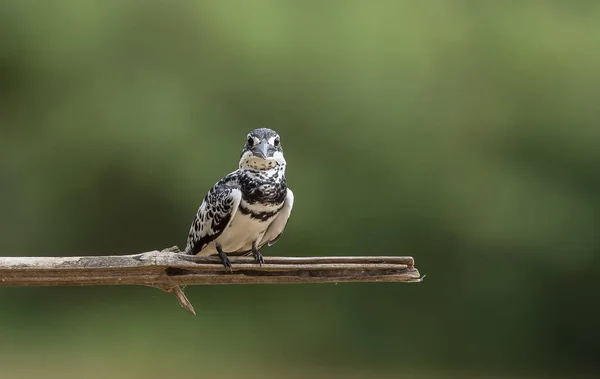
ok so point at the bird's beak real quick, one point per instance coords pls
(262, 149)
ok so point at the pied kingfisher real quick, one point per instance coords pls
(248, 208)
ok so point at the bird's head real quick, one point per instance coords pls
(262, 150)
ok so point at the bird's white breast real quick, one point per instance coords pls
(240, 234)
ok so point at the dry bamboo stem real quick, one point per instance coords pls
(168, 270)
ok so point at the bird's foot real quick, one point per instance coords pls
(258, 257)
(225, 260)
(227, 264)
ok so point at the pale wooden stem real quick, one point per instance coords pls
(168, 270)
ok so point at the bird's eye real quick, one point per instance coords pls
(250, 141)
(276, 143)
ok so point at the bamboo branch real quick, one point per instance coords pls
(168, 270)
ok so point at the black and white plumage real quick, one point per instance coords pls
(248, 208)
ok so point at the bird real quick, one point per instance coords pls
(248, 208)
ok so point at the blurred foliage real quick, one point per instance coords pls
(462, 133)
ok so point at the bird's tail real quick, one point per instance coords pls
(172, 249)
(188, 250)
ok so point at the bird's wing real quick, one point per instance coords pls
(278, 225)
(214, 215)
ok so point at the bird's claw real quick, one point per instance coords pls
(259, 258)
(225, 260)
(227, 264)
(257, 255)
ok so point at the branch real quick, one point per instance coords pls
(168, 270)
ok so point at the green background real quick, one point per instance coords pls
(463, 133)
